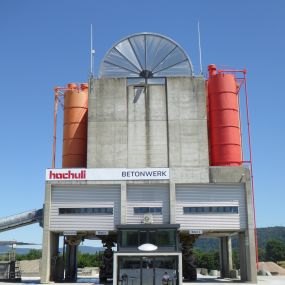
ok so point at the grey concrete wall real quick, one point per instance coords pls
(166, 127)
(230, 174)
(107, 124)
(188, 135)
(147, 128)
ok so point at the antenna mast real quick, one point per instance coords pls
(92, 53)
(200, 51)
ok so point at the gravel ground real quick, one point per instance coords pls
(262, 280)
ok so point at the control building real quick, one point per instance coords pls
(152, 159)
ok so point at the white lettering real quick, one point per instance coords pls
(105, 174)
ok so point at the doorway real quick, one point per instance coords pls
(147, 270)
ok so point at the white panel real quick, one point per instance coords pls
(84, 197)
(211, 195)
(148, 196)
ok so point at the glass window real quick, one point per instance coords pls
(130, 238)
(152, 237)
(143, 237)
(148, 210)
(129, 271)
(85, 211)
(165, 238)
(205, 210)
(167, 264)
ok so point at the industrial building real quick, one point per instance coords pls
(152, 159)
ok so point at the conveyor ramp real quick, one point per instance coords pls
(20, 220)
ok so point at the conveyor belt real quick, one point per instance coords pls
(20, 220)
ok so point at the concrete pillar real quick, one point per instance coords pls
(49, 256)
(242, 257)
(226, 261)
(249, 238)
(246, 256)
(71, 262)
(54, 238)
(172, 202)
(123, 201)
(46, 248)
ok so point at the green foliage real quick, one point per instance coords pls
(31, 255)
(89, 260)
(236, 264)
(266, 234)
(275, 250)
(3, 257)
(261, 254)
(208, 260)
(207, 244)
(263, 236)
(211, 260)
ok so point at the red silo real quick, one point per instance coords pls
(224, 119)
(74, 153)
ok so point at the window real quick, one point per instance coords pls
(130, 238)
(85, 211)
(165, 238)
(207, 210)
(148, 210)
(159, 237)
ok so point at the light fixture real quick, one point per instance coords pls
(147, 247)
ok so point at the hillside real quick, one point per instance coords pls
(22, 251)
(263, 235)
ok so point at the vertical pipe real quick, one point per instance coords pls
(251, 168)
(54, 126)
(200, 51)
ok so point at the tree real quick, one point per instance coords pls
(275, 250)
(236, 263)
(208, 260)
(31, 255)
(89, 260)
(261, 254)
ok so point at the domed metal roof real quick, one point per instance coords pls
(145, 55)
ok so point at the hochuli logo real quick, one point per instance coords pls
(67, 175)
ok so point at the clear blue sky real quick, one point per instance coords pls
(46, 44)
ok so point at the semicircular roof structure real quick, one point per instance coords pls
(145, 55)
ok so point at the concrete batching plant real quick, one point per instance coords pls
(152, 159)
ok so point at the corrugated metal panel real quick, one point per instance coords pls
(84, 197)
(211, 195)
(147, 196)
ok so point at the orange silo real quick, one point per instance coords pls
(74, 152)
(224, 119)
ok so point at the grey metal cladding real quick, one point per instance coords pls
(147, 196)
(84, 197)
(211, 195)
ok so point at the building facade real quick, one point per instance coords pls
(149, 178)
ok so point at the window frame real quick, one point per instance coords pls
(140, 210)
(88, 211)
(201, 210)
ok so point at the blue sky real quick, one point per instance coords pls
(46, 44)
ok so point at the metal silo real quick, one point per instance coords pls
(75, 126)
(224, 120)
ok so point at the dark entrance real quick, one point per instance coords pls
(147, 270)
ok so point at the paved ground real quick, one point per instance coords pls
(262, 280)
